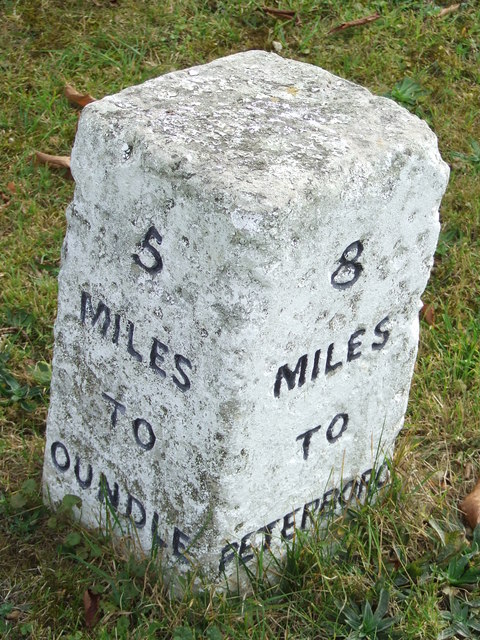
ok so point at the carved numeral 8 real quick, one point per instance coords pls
(349, 270)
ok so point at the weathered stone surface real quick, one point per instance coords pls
(238, 305)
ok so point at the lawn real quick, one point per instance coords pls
(406, 566)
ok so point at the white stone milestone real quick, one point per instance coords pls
(238, 306)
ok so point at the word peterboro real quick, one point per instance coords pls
(125, 504)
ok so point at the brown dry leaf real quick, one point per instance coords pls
(447, 10)
(14, 615)
(77, 98)
(427, 312)
(470, 506)
(11, 187)
(90, 602)
(355, 23)
(279, 13)
(53, 161)
(285, 14)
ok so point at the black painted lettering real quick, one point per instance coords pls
(328, 499)
(106, 494)
(157, 265)
(102, 310)
(350, 269)
(291, 376)
(84, 484)
(316, 360)
(379, 478)
(157, 542)
(364, 481)
(117, 406)
(289, 523)
(116, 329)
(145, 443)
(229, 552)
(306, 437)
(246, 552)
(309, 510)
(179, 543)
(382, 475)
(156, 357)
(141, 518)
(354, 344)
(179, 362)
(61, 465)
(347, 493)
(328, 365)
(130, 348)
(266, 531)
(331, 437)
(380, 332)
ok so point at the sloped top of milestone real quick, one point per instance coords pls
(260, 118)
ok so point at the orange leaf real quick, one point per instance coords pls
(355, 23)
(77, 98)
(11, 187)
(428, 314)
(90, 602)
(471, 507)
(53, 161)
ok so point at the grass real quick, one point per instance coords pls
(404, 560)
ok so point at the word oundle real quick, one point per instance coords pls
(123, 503)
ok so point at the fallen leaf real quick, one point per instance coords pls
(14, 615)
(77, 98)
(447, 10)
(355, 23)
(90, 602)
(279, 13)
(428, 314)
(54, 161)
(285, 14)
(11, 187)
(470, 506)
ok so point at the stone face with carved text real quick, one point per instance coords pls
(238, 303)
